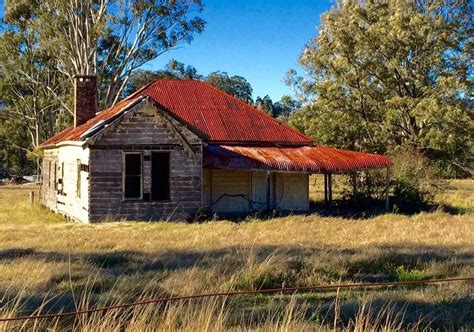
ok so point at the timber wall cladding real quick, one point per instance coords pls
(48, 192)
(63, 197)
(73, 201)
(145, 131)
(288, 191)
(292, 191)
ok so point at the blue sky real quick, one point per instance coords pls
(258, 39)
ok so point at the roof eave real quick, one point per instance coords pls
(63, 143)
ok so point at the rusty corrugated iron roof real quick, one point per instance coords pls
(311, 159)
(219, 116)
(239, 136)
(74, 134)
(212, 114)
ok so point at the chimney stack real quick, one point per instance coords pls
(85, 98)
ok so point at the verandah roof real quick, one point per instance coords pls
(309, 159)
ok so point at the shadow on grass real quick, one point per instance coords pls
(345, 209)
(296, 265)
(371, 208)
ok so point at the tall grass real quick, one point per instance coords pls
(50, 265)
(213, 314)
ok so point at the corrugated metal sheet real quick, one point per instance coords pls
(74, 134)
(219, 116)
(311, 159)
(225, 121)
(211, 113)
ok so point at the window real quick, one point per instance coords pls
(78, 180)
(61, 180)
(160, 176)
(133, 175)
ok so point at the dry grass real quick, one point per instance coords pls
(42, 256)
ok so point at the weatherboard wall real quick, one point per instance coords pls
(145, 129)
(61, 190)
(230, 191)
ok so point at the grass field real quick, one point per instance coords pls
(49, 263)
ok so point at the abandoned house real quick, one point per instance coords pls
(175, 147)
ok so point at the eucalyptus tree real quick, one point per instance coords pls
(387, 73)
(112, 38)
(43, 44)
(33, 93)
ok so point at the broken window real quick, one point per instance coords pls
(61, 180)
(133, 175)
(160, 176)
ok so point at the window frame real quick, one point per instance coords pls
(124, 156)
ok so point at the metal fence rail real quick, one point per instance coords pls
(237, 293)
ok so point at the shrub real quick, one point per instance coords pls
(413, 183)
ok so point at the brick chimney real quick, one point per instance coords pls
(85, 98)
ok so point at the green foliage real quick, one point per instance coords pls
(414, 183)
(390, 73)
(236, 85)
(33, 95)
(404, 274)
(285, 107)
(265, 105)
(14, 159)
(173, 70)
(43, 44)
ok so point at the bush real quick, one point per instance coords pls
(413, 182)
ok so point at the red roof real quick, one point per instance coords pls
(74, 134)
(311, 159)
(214, 115)
(233, 129)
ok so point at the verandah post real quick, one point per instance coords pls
(268, 191)
(325, 189)
(330, 189)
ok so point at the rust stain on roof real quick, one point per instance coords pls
(239, 136)
(74, 134)
(311, 159)
(212, 113)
